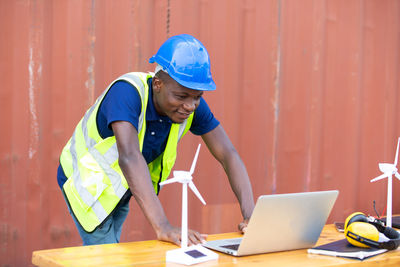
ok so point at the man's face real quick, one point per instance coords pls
(174, 100)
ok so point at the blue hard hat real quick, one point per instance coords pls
(186, 60)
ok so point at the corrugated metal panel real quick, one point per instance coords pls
(307, 91)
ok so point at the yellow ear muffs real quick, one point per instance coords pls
(358, 232)
(364, 232)
(357, 227)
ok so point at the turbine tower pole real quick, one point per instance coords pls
(389, 203)
(184, 226)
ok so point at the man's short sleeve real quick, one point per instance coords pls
(121, 103)
(203, 120)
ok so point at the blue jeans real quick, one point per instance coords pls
(109, 232)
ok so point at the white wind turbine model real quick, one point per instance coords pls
(389, 170)
(193, 254)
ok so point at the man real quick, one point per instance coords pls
(126, 145)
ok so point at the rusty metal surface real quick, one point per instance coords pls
(307, 90)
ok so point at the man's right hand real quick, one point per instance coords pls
(172, 234)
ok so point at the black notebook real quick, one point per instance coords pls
(342, 248)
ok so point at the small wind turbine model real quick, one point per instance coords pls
(193, 254)
(389, 170)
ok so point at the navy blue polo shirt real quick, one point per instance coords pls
(122, 103)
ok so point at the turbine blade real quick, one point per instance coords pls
(397, 175)
(196, 192)
(171, 180)
(195, 160)
(379, 177)
(397, 152)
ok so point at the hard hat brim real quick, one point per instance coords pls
(210, 86)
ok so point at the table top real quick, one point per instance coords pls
(152, 253)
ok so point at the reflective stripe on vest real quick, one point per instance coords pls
(95, 182)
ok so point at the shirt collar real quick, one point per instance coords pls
(151, 113)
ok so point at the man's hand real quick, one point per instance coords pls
(243, 226)
(172, 234)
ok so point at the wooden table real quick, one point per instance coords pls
(152, 253)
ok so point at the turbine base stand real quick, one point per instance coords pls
(190, 255)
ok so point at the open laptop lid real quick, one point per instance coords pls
(285, 222)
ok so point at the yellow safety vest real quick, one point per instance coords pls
(95, 182)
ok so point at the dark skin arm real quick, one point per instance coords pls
(134, 168)
(222, 149)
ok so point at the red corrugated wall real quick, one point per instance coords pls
(307, 90)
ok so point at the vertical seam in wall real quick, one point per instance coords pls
(241, 70)
(315, 56)
(276, 105)
(34, 125)
(35, 50)
(316, 96)
(90, 82)
(359, 93)
(137, 55)
(35, 73)
(131, 50)
(396, 83)
(167, 26)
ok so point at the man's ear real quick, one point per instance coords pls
(157, 84)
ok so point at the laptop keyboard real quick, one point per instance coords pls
(233, 247)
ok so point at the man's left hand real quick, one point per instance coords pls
(243, 226)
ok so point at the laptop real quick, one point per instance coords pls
(281, 222)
